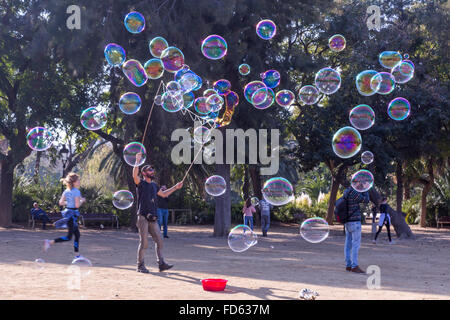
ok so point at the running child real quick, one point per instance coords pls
(385, 218)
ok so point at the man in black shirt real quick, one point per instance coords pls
(147, 191)
(163, 212)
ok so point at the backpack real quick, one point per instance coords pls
(341, 210)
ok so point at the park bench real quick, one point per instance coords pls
(443, 220)
(110, 217)
(53, 216)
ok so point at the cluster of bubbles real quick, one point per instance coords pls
(314, 230)
(327, 81)
(241, 238)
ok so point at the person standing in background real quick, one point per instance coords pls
(163, 212)
(265, 207)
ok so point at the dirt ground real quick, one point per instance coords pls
(278, 267)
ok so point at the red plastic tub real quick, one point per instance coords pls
(214, 284)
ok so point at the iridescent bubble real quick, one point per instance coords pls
(251, 88)
(130, 103)
(39, 264)
(115, 54)
(362, 181)
(260, 96)
(367, 157)
(346, 142)
(123, 199)
(158, 100)
(209, 92)
(328, 80)
(232, 99)
(131, 150)
(157, 46)
(172, 59)
(241, 238)
(403, 72)
(308, 94)
(189, 81)
(173, 88)
(244, 69)
(135, 72)
(278, 191)
(406, 56)
(399, 109)
(202, 134)
(93, 118)
(134, 22)
(172, 103)
(389, 59)
(362, 117)
(383, 83)
(84, 265)
(285, 98)
(222, 86)
(255, 201)
(314, 230)
(270, 99)
(271, 78)
(363, 82)
(188, 99)
(407, 67)
(201, 106)
(337, 43)
(154, 68)
(180, 73)
(215, 102)
(39, 139)
(215, 186)
(266, 29)
(214, 47)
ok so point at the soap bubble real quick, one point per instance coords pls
(158, 100)
(201, 106)
(251, 88)
(399, 109)
(362, 117)
(134, 22)
(157, 46)
(346, 142)
(314, 230)
(259, 96)
(123, 199)
(266, 29)
(39, 139)
(131, 150)
(241, 238)
(406, 67)
(244, 69)
(308, 94)
(406, 56)
(214, 102)
(115, 54)
(383, 83)
(154, 68)
(202, 134)
(389, 59)
(270, 99)
(271, 78)
(188, 99)
(403, 72)
(222, 86)
(93, 118)
(255, 201)
(39, 264)
(215, 186)
(172, 103)
(367, 157)
(278, 191)
(214, 47)
(172, 59)
(135, 72)
(84, 264)
(209, 92)
(363, 82)
(173, 88)
(362, 181)
(328, 80)
(337, 43)
(189, 82)
(130, 103)
(285, 98)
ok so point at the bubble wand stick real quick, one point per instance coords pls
(150, 114)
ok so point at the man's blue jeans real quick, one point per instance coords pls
(352, 243)
(163, 216)
(248, 221)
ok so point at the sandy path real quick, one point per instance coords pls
(278, 267)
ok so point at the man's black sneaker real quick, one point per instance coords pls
(142, 269)
(164, 266)
(166, 236)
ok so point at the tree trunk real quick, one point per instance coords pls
(426, 189)
(401, 228)
(335, 183)
(6, 193)
(257, 187)
(222, 217)
(246, 184)
(407, 190)
(37, 166)
(399, 176)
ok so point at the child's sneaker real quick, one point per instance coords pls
(392, 242)
(46, 244)
(374, 241)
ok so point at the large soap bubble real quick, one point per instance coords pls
(202, 134)
(93, 118)
(270, 99)
(172, 102)
(346, 142)
(314, 230)
(271, 78)
(123, 199)
(135, 72)
(157, 46)
(154, 68)
(251, 88)
(363, 82)
(399, 109)
(84, 265)
(309, 94)
(115, 54)
(266, 29)
(389, 59)
(241, 238)
(362, 117)
(362, 181)
(130, 103)
(40, 139)
(134, 22)
(172, 59)
(222, 86)
(337, 43)
(278, 191)
(285, 98)
(214, 47)
(201, 106)
(215, 185)
(214, 102)
(130, 152)
(403, 72)
(328, 80)
(383, 83)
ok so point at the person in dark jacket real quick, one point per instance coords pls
(39, 214)
(353, 228)
(163, 212)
